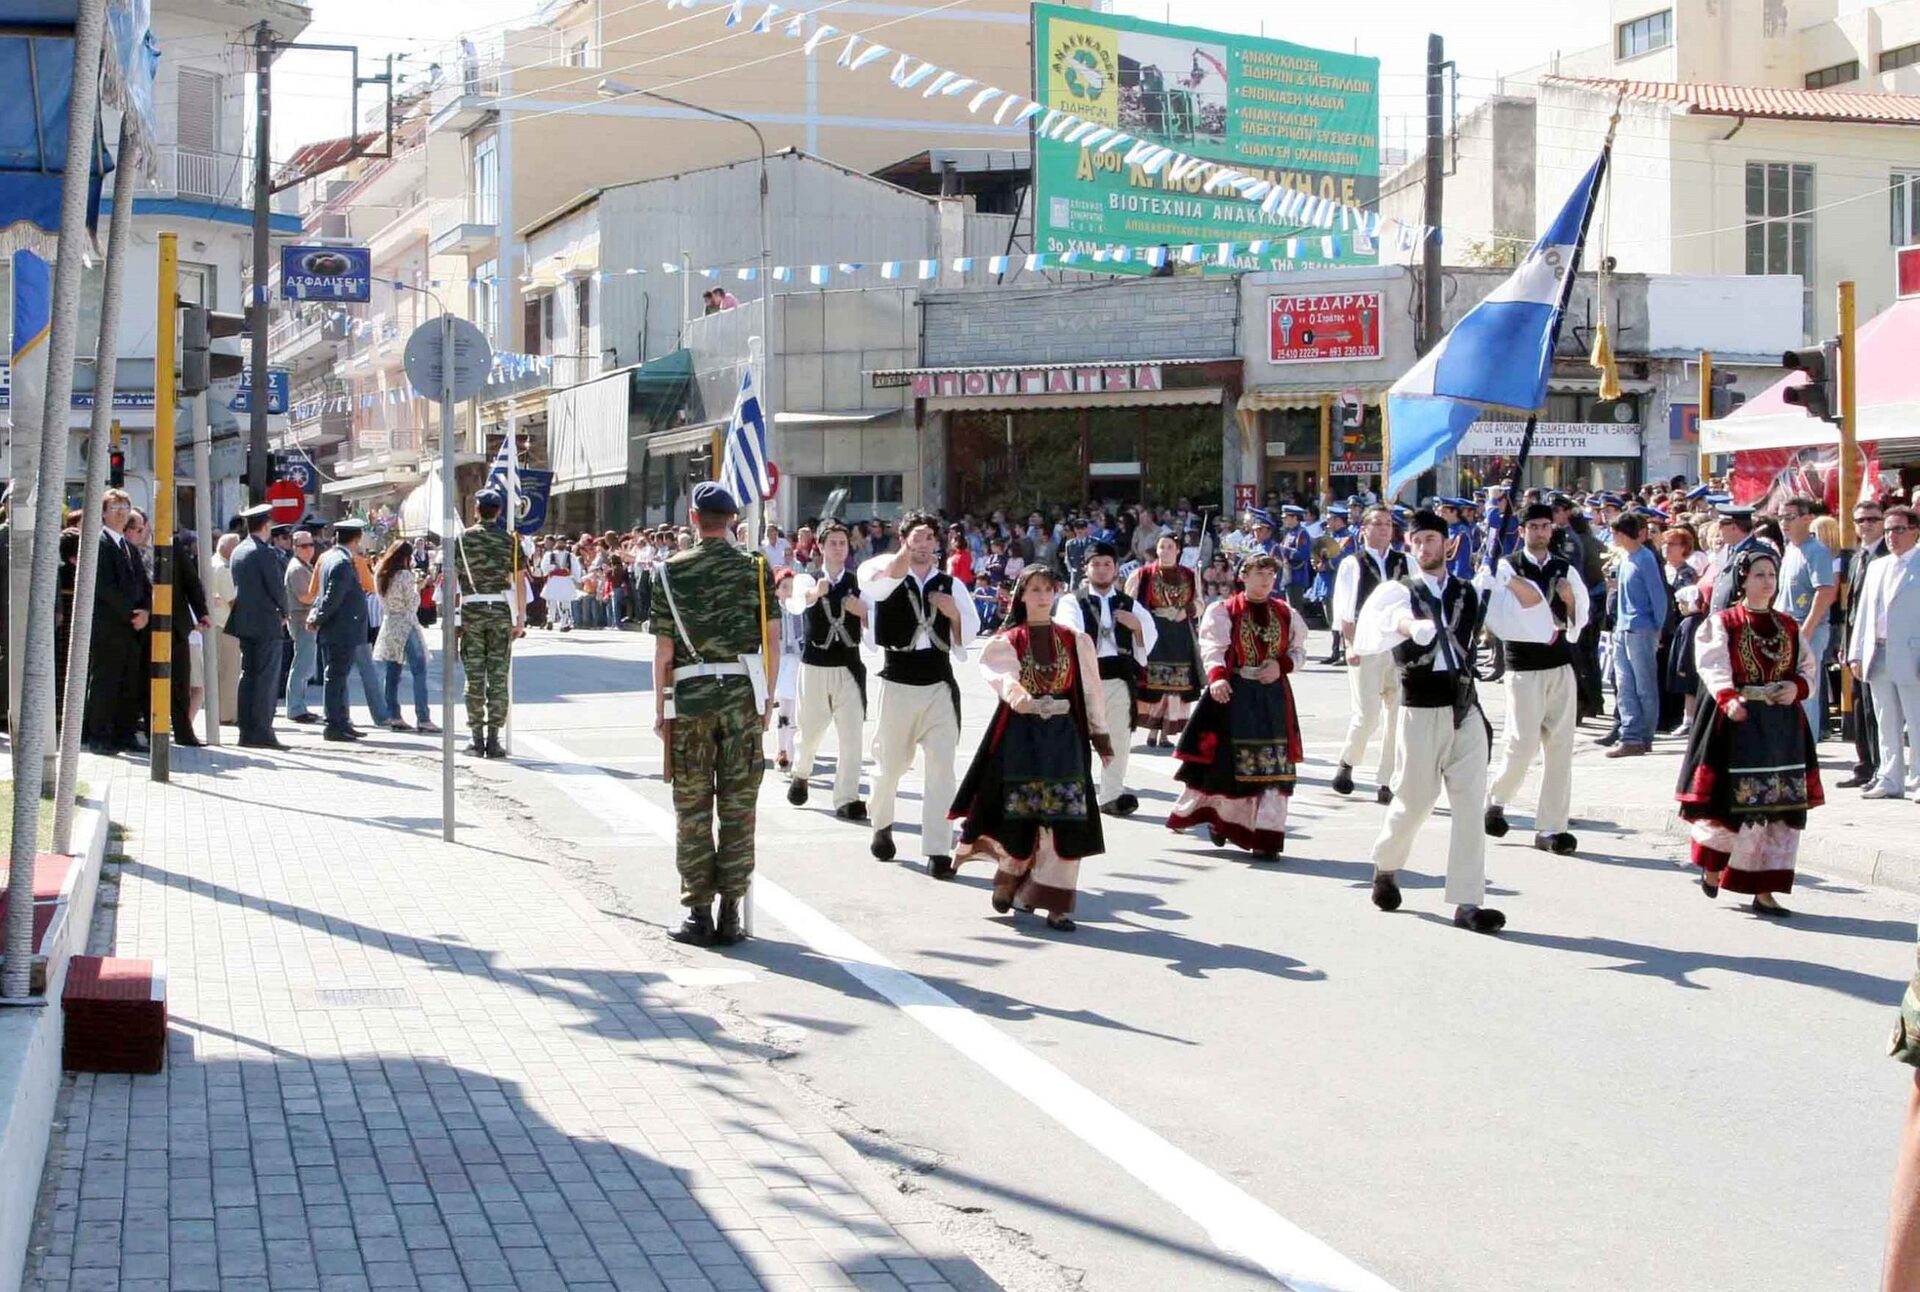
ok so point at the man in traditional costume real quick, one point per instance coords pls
(1240, 754)
(1424, 623)
(1373, 684)
(833, 679)
(1538, 608)
(1123, 638)
(1169, 591)
(1027, 801)
(922, 618)
(1752, 770)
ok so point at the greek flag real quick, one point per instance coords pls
(32, 326)
(745, 472)
(506, 465)
(1499, 355)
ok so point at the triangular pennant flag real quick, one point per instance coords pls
(928, 268)
(939, 83)
(1070, 257)
(1329, 247)
(1258, 190)
(846, 54)
(918, 75)
(1093, 136)
(1123, 255)
(1293, 248)
(963, 264)
(1081, 131)
(997, 264)
(1114, 142)
(747, 273)
(960, 86)
(783, 273)
(819, 274)
(1046, 122)
(1006, 106)
(1258, 247)
(1224, 254)
(889, 269)
(820, 33)
(868, 55)
(982, 99)
(796, 26)
(765, 24)
(1026, 114)
(1139, 153)
(1190, 254)
(737, 12)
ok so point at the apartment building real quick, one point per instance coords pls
(200, 190)
(1756, 137)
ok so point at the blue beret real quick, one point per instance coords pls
(490, 497)
(711, 497)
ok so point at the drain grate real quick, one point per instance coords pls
(362, 998)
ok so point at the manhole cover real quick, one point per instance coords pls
(363, 998)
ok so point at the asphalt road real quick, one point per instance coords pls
(1235, 1069)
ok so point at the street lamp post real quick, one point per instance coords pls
(612, 89)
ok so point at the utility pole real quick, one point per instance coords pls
(160, 678)
(263, 51)
(1706, 408)
(1431, 306)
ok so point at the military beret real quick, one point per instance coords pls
(712, 498)
(490, 497)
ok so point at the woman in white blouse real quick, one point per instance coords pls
(401, 643)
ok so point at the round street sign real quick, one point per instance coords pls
(472, 358)
(289, 501)
(300, 472)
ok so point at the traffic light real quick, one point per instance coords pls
(116, 468)
(1724, 397)
(1821, 394)
(199, 365)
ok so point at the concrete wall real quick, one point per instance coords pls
(1083, 322)
(1491, 190)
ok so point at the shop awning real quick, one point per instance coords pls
(424, 509)
(684, 439)
(1306, 394)
(660, 386)
(851, 417)
(1886, 407)
(587, 434)
(372, 482)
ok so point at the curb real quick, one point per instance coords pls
(30, 1071)
(1859, 863)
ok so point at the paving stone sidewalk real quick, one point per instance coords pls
(398, 1063)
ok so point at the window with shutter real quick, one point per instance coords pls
(198, 125)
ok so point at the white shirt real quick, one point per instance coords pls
(1378, 629)
(1509, 621)
(1346, 585)
(876, 585)
(1067, 611)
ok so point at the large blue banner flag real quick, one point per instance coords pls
(1499, 355)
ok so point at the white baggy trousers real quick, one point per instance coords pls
(916, 718)
(1435, 754)
(829, 697)
(1541, 713)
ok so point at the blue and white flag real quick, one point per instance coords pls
(506, 465)
(745, 473)
(1498, 356)
(32, 326)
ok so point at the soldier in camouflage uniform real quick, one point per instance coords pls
(711, 607)
(491, 616)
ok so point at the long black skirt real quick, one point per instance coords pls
(1243, 747)
(1173, 665)
(1031, 772)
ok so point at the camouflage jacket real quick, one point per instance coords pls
(482, 559)
(719, 591)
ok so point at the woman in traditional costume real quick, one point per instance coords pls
(1028, 801)
(1240, 750)
(1171, 593)
(1751, 770)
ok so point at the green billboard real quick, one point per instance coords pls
(1304, 119)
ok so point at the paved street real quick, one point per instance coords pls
(1606, 1096)
(398, 1063)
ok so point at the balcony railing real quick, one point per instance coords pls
(201, 175)
(475, 208)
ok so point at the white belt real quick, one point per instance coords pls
(484, 598)
(690, 671)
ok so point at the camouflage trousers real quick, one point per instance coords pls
(486, 646)
(717, 765)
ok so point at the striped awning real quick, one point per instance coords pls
(1306, 394)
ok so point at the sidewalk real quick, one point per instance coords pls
(398, 1063)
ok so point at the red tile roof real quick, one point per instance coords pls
(325, 154)
(1759, 101)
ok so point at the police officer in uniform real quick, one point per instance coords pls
(492, 614)
(714, 683)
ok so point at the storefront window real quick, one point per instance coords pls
(1007, 460)
(849, 498)
(1291, 432)
(1180, 454)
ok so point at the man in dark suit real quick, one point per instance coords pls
(190, 612)
(339, 623)
(258, 620)
(1867, 523)
(121, 600)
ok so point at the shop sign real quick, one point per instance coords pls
(1316, 327)
(1552, 440)
(1035, 381)
(1243, 496)
(1354, 467)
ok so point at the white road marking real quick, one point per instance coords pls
(1234, 1220)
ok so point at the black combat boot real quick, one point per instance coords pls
(697, 929)
(729, 932)
(478, 745)
(494, 748)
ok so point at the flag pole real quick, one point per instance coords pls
(1553, 339)
(512, 449)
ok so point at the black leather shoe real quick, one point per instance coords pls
(306, 719)
(1856, 780)
(1383, 795)
(1609, 740)
(1560, 843)
(940, 867)
(1125, 805)
(797, 792)
(882, 846)
(1495, 823)
(1266, 854)
(854, 811)
(1771, 912)
(1386, 892)
(1215, 838)
(728, 931)
(187, 740)
(1707, 884)
(1481, 919)
(697, 929)
(349, 734)
(261, 744)
(1343, 780)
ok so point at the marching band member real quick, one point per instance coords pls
(833, 679)
(922, 618)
